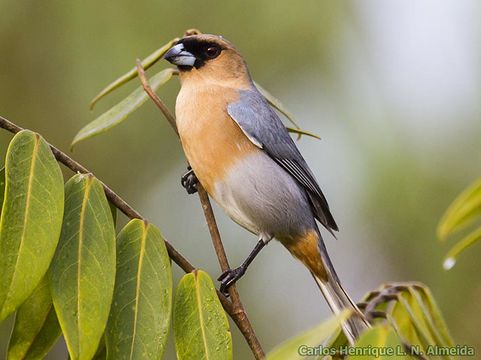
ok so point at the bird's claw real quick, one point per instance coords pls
(229, 278)
(189, 181)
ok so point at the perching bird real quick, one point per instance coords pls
(242, 154)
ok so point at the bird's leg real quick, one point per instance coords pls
(189, 181)
(230, 277)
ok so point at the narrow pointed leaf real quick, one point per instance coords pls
(123, 109)
(301, 132)
(146, 63)
(83, 270)
(2, 188)
(419, 317)
(465, 209)
(201, 330)
(275, 103)
(438, 322)
(298, 347)
(36, 327)
(31, 218)
(380, 339)
(456, 250)
(139, 319)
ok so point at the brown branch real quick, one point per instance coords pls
(120, 204)
(238, 313)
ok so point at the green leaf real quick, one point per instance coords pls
(31, 218)
(299, 346)
(101, 353)
(36, 327)
(377, 341)
(146, 63)
(113, 210)
(436, 319)
(419, 317)
(201, 330)
(401, 320)
(123, 109)
(139, 320)
(2, 188)
(422, 318)
(464, 210)
(456, 250)
(301, 132)
(82, 274)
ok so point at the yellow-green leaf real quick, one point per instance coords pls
(2, 188)
(139, 319)
(301, 132)
(31, 218)
(436, 319)
(463, 211)
(456, 250)
(304, 345)
(36, 327)
(201, 330)
(379, 342)
(82, 274)
(146, 63)
(123, 109)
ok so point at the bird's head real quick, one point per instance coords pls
(209, 58)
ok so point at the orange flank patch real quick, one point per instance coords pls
(305, 248)
(212, 141)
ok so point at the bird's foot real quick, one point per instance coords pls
(229, 278)
(189, 181)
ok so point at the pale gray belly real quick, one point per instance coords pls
(260, 196)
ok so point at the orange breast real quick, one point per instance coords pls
(212, 141)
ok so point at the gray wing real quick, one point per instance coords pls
(262, 126)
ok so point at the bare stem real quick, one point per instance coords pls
(239, 315)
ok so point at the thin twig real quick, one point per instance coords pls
(240, 316)
(123, 206)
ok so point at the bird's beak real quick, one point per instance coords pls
(177, 55)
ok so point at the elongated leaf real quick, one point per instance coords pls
(418, 317)
(304, 345)
(83, 270)
(436, 318)
(123, 109)
(36, 327)
(423, 320)
(139, 320)
(201, 330)
(456, 250)
(2, 188)
(146, 63)
(404, 325)
(379, 342)
(31, 218)
(301, 132)
(465, 209)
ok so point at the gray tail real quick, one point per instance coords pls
(338, 299)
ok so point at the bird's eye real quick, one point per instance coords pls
(212, 52)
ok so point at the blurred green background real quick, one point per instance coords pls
(393, 89)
